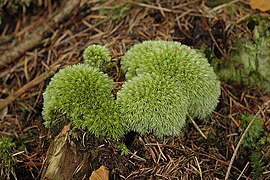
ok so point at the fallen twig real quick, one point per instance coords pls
(40, 33)
(265, 105)
(197, 127)
(27, 86)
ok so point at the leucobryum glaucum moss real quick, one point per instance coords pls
(182, 66)
(165, 82)
(151, 103)
(97, 56)
(83, 93)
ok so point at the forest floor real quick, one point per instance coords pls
(118, 25)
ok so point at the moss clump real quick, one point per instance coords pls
(256, 145)
(123, 148)
(184, 66)
(256, 162)
(153, 104)
(83, 94)
(166, 80)
(254, 133)
(6, 146)
(7, 161)
(97, 56)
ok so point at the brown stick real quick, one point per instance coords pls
(40, 33)
(27, 86)
(264, 106)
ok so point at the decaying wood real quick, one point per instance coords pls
(63, 159)
(40, 33)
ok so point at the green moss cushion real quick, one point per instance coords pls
(153, 104)
(97, 56)
(83, 94)
(184, 67)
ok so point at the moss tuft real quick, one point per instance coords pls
(7, 161)
(116, 10)
(83, 94)
(182, 65)
(256, 162)
(97, 56)
(153, 104)
(6, 146)
(255, 131)
(166, 81)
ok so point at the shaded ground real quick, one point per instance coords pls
(118, 26)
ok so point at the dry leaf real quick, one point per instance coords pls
(3, 112)
(263, 5)
(100, 174)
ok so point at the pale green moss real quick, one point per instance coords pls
(116, 10)
(166, 81)
(83, 94)
(6, 147)
(97, 56)
(153, 104)
(185, 67)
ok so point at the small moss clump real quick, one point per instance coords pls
(256, 161)
(83, 94)
(254, 133)
(97, 56)
(7, 161)
(6, 147)
(153, 104)
(123, 148)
